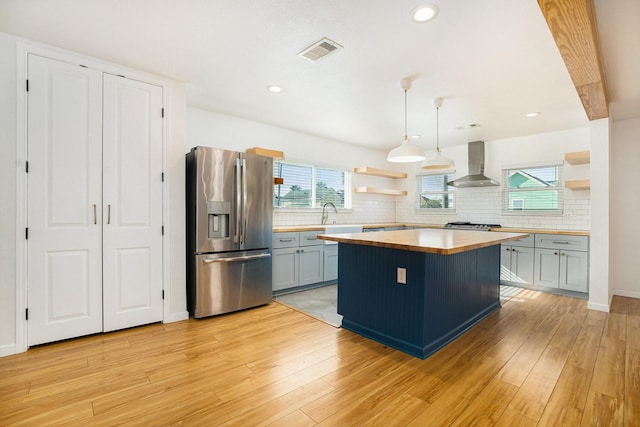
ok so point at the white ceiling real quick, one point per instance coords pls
(491, 61)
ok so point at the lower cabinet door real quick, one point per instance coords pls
(547, 267)
(284, 268)
(574, 270)
(310, 260)
(522, 264)
(505, 263)
(330, 262)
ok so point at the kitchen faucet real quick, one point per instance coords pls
(325, 214)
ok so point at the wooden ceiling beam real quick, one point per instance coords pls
(574, 27)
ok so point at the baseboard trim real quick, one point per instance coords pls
(626, 293)
(7, 350)
(598, 307)
(177, 317)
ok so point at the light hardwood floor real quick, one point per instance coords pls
(540, 360)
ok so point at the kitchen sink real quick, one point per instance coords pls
(340, 228)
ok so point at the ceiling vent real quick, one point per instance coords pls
(469, 126)
(319, 50)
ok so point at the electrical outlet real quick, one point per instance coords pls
(402, 275)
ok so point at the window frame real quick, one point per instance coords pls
(446, 175)
(558, 188)
(346, 175)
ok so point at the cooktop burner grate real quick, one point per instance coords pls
(463, 225)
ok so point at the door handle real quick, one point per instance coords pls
(243, 236)
(95, 214)
(108, 214)
(236, 235)
(235, 259)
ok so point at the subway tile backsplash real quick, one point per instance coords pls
(484, 205)
(480, 205)
(366, 209)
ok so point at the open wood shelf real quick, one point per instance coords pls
(265, 152)
(376, 190)
(578, 184)
(368, 170)
(578, 157)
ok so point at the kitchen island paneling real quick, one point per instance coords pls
(417, 290)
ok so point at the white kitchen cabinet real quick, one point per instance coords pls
(311, 258)
(94, 198)
(330, 262)
(516, 264)
(297, 259)
(285, 268)
(560, 268)
(517, 261)
(311, 261)
(574, 271)
(547, 270)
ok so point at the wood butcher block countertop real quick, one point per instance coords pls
(290, 228)
(443, 242)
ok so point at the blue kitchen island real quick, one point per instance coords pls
(452, 281)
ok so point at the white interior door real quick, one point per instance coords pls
(132, 203)
(64, 267)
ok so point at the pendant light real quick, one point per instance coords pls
(436, 160)
(406, 152)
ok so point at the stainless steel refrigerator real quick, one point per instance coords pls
(229, 212)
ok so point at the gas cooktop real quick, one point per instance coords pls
(463, 225)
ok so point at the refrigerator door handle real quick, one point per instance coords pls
(235, 259)
(243, 235)
(236, 236)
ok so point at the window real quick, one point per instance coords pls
(310, 186)
(533, 189)
(434, 193)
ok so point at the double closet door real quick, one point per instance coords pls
(94, 214)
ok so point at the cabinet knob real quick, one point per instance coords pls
(555, 253)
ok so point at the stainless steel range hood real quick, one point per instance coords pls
(476, 177)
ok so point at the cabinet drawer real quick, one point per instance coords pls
(285, 240)
(310, 238)
(527, 242)
(555, 241)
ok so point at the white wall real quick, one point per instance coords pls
(625, 212)
(599, 243)
(7, 194)
(174, 268)
(210, 129)
(474, 204)
(483, 205)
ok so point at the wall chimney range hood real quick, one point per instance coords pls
(476, 177)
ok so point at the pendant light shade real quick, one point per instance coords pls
(436, 160)
(406, 152)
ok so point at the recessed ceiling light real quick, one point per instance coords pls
(534, 114)
(424, 13)
(274, 89)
